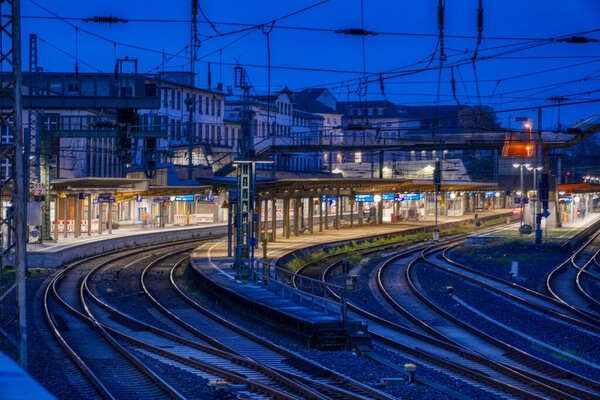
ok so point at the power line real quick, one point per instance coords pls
(68, 54)
(292, 27)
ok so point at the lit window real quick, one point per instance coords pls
(358, 157)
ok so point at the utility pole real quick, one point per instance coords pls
(246, 179)
(13, 226)
(192, 102)
(437, 182)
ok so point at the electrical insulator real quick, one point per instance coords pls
(105, 20)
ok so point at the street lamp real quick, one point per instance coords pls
(535, 190)
(516, 165)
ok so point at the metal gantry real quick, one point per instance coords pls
(13, 191)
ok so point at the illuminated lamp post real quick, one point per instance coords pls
(522, 194)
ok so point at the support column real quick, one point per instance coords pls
(326, 212)
(109, 207)
(65, 209)
(361, 213)
(229, 228)
(286, 217)
(274, 218)
(297, 216)
(77, 216)
(266, 219)
(89, 215)
(380, 212)
(100, 218)
(311, 212)
(337, 211)
(351, 204)
(257, 225)
(56, 209)
(321, 215)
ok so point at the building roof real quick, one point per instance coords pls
(313, 93)
(182, 79)
(390, 110)
(305, 102)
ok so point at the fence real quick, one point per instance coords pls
(300, 288)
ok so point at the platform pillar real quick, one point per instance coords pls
(109, 215)
(311, 214)
(100, 215)
(266, 219)
(257, 225)
(297, 216)
(65, 210)
(326, 201)
(351, 204)
(380, 212)
(321, 215)
(229, 228)
(361, 213)
(89, 215)
(56, 209)
(337, 211)
(286, 217)
(77, 230)
(274, 218)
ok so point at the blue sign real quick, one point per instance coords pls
(388, 196)
(517, 200)
(565, 199)
(189, 197)
(470, 193)
(526, 200)
(138, 198)
(414, 196)
(162, 199)
(362, 198)
(81, 196)
(105, 199)
(490, 194)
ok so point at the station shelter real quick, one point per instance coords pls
(577, 199)
(292, 206)
(86, 206)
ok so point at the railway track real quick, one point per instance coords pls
(557, 377)
(112, 369)
(566, 282)
(528, 379)
(166, 338)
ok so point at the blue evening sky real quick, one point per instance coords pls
(535, 19)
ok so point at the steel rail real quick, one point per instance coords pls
(576, 377)
(256, 386)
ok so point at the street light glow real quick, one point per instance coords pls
(429, 169)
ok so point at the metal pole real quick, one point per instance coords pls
(89, 215)
(522, 201)
(65, 216)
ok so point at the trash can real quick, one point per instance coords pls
(270, 236)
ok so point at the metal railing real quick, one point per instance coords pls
(306, 291)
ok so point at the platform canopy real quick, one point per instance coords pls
(585, 187)
(165, 191)
(98, 185)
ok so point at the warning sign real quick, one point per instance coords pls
(225, 204)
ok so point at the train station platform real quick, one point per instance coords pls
(54, 255)
(17, 384)
(557, 235)
(283, 307)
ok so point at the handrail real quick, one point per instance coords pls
(280, 281)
